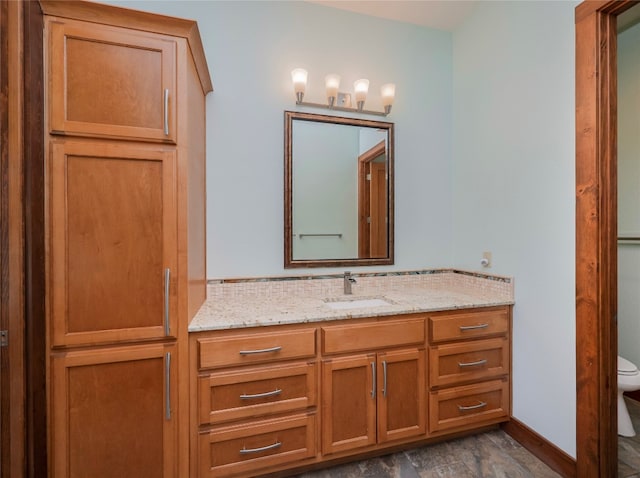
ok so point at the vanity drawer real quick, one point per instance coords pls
(468, 361)
(443, 328)
(257, 445)
(462, 406)
(246, 349)
(358, 337)
(227, 396)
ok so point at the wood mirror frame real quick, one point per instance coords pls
(366, 245)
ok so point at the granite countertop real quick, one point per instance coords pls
(255, 303)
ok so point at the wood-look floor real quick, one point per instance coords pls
(485, 455)
(489, 454)
(629, 448)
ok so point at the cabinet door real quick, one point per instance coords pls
(111, 82)
(111, 412)
(112, 243)
(402, 397)
(348, 403)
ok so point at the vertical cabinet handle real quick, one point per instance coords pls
(167, 385)
(167, 278)
(166, 111)
(373, 374)
(384, 378)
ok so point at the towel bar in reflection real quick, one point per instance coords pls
(338, 235)
(629, 240)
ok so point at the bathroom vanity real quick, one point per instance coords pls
(282, 380)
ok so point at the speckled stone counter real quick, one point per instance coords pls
(239, 303)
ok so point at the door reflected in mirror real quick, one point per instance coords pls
(338, 191)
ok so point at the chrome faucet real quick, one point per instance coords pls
(348, 280)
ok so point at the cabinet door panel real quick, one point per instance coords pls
(402, 403)
(109, 81)
(113, 231)
(348, 403)
(109, 412)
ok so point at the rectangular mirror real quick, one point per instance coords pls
(338, 191)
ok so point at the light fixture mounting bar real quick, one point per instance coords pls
(342, 108)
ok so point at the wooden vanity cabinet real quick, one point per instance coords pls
(372, 399)
(469, 367)
(113, 243)
(256, 402)
(377, 397)
(323, 392)
(113, 409)
(125, 193)
(108, 81)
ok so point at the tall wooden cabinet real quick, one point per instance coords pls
(125, 160)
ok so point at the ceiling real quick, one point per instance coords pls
(440, 14)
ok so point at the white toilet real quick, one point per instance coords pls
(628, 381)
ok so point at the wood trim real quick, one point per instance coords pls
(137, 20)
(12, 239)
(596, 241)
(35, 323)
(372, 153)
(539, 446)
(633, 395)
(364, 197)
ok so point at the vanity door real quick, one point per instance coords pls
(112, 246)
(113, 412)
(111, 82)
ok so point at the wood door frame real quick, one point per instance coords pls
(34, 243)
(12, 245)
(596, 236)
(364, 197)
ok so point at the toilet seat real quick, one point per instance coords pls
(626, 368)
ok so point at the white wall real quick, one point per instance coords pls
(251, 49)
(629, 193)
(513, 189)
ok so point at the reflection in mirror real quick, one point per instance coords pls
(338, 191)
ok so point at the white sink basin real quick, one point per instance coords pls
(355, 303)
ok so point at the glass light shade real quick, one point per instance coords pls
(388, 93)
(299, 78)
(332, 83)
(361, 88)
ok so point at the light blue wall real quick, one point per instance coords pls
(251, 48)
(325, 190)
(629, 193)
(513, 189)
(484, 154)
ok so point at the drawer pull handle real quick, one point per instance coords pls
(167, 385)
(473, 327)
(472, 364)
(384, 378)
(472, 407)
(167, 283)
(272, 393)
(375, 384)
(166, 112)
(273, 446)
(261, 351)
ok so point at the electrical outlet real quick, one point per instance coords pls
(486, 259)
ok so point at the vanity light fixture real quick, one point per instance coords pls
(299, 78)
(332, 84)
